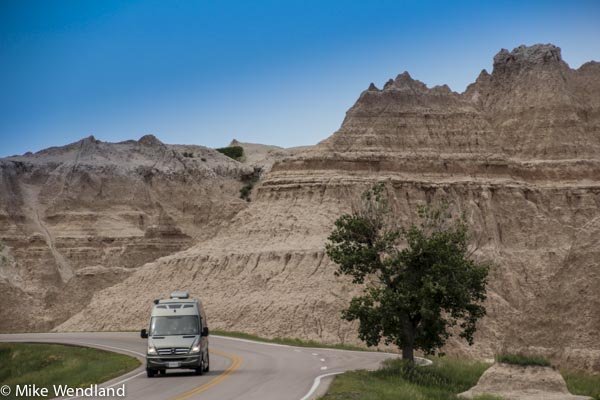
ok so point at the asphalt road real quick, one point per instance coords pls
(240, 369)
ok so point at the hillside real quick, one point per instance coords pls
(78, 218)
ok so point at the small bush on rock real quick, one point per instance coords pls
(235, 152)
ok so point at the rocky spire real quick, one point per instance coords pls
(150, 140)
(89, 139)
(372, 88)
(527, 57)
(404, 82)
(388, 85)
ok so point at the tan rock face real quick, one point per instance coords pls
(517, 152)
(82, 217)
(513, 382)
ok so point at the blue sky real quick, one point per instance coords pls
(276, 72)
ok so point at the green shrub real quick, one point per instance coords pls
(188, 154)
(235, 152)
(524, 360)
(246, 190)
(3, 257)
(582, 383)
(249, 180)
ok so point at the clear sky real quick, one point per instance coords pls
(275, 72)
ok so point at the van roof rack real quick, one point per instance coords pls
(180, 294)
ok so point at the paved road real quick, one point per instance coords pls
(240, 369)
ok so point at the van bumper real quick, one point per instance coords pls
(192, 362)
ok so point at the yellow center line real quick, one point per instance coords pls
(236, 361)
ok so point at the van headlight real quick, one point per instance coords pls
(151, 350)
(195, 349)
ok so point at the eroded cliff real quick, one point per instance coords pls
(82, 217)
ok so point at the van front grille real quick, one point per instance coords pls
(172, 351)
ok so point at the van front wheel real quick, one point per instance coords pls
(200, 369)
(150, 372)
(207, 364)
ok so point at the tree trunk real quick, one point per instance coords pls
(408, 340)
(408, 353)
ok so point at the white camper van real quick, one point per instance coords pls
(178, 335)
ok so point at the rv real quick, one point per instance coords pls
(177, 336)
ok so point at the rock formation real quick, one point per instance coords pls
(518, 152)
(514, 382)
(78, 218)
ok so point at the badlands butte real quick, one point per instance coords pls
(93, 232)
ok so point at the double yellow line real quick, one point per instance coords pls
(235, 364)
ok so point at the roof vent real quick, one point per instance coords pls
(178, 294)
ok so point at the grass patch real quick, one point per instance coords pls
(523, 360)
(582, 383)
(52, 364)
(398, 380)
(441, 381)
(289, 341)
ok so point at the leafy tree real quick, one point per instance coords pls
(420, 282)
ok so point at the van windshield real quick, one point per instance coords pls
(175, 325)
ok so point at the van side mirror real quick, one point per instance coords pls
(143, 334)
(205, 331)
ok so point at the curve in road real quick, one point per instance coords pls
(240, 368)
